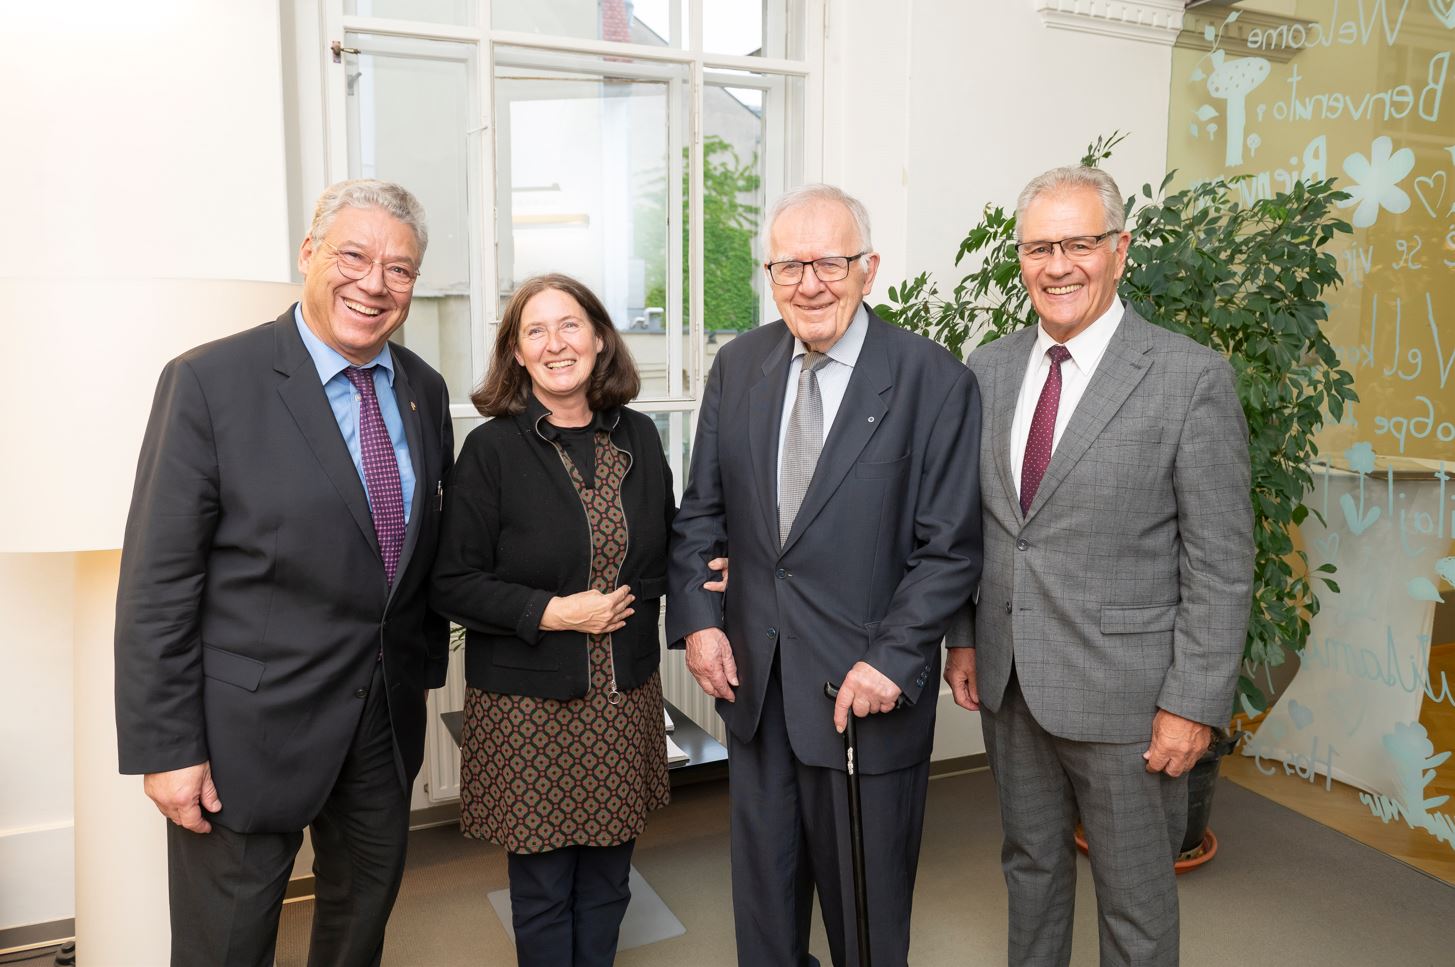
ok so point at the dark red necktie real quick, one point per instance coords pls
(1043, 429)
(381, 471)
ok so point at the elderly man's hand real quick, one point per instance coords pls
(960, 676)
(720, 565)
(1177, 743)
(710, 660)
(865, 690)
(182, 794)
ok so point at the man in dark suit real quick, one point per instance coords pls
(1114, 602)
(273, 648)
(835, 464)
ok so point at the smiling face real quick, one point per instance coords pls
(1069, 296)
(356, 317)
(817, 312)
(557, 345)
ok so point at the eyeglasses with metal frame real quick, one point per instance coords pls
(830, 268)
(1074, 247)
(352, 265)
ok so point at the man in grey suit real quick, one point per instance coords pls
(273, 644)
(1106, 636)
(835, 463)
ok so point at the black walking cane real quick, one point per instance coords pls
(856, 831)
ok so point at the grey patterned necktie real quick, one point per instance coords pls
(801, 444)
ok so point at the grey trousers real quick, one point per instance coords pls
(790, 835)
(1133, 821)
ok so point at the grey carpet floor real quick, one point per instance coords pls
(1283, 891)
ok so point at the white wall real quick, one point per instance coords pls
(936, 107)
(146, 181)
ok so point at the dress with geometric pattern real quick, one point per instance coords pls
(539, 774)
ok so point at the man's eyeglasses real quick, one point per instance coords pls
(352, 265)
(830, 268)
(1076, 248)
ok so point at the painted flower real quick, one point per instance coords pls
(1376, 181)
(1360, 457)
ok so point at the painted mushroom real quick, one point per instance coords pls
(1231, 80)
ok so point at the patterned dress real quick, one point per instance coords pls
(539, 774)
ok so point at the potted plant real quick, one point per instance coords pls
(1246, 280)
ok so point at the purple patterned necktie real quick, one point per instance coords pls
(1043, 429)
(381, 471)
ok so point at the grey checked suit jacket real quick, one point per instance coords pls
(1126, 587)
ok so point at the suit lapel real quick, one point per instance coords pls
(1122, 367)
(765, 413)
(860, 416)
(303, 394)
(1008, 377)
(414, 437)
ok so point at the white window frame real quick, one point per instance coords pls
(702, 66)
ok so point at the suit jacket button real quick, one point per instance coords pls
(780, 574)
(1022, 544)
(772, 633)
(1007, 607)
(361, 693)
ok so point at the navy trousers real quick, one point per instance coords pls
(567, 904)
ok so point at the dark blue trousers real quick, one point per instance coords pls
(567, 904)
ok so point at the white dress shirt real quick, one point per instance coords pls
(833, 377)
(1086, 349)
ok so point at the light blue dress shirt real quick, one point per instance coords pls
(345, 404)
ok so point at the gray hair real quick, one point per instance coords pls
(1071, 177)
(810, 194)
(393, 199)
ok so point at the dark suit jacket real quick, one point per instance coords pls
(1126, 587)
(253, 602)
(883, 551)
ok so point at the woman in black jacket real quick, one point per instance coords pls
(553, 556)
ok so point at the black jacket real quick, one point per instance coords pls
(515, 534)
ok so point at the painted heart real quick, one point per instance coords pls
(1357, 524)
(1425, 187)
(1328, 545)
(1302, 715)
(1444, 11)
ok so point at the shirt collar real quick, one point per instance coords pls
(327, 360)
(1088, 345)
(846, 349)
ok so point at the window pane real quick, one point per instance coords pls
(458, 12)
(676, 429)
(588, 169)
(654, 23)
(753, 28)
(745, 137)
(408, 117)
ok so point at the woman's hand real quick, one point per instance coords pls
(589, 611)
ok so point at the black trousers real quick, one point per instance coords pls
(227, 887)
(566, 905)
(790, 835)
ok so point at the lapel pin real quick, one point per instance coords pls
(412, 407)
(871, 419)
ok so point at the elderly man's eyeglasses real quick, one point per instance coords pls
(830, 268)
(1076, 248)
(353, 265)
